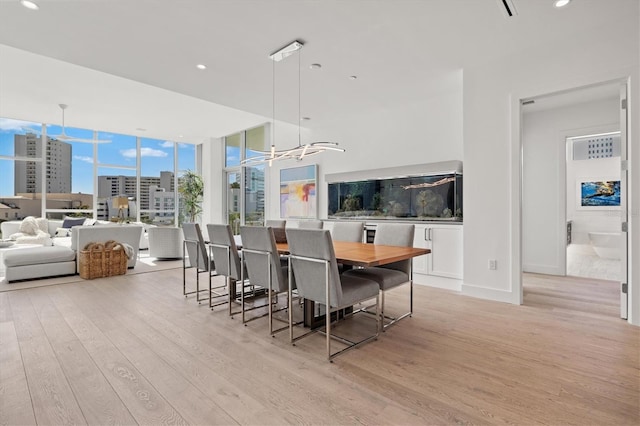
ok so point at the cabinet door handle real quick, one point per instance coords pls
(426, 238)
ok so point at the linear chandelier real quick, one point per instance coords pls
(301, 151)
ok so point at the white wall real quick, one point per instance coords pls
(546, 190)
(424, 132)
(214, 187)
(492, 149)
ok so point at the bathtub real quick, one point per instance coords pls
(606, 244)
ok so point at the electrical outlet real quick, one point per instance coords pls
(493, 264)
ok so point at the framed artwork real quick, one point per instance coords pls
(598, 194)
(298, 197)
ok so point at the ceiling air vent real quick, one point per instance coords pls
(507, 8)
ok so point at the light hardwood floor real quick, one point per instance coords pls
(132, 349)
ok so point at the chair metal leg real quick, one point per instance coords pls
(290, 305)
(328, 310)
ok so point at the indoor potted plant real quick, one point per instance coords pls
(191, 189)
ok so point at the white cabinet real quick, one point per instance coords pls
(445, 242)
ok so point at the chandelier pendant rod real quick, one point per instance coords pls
(299, 95)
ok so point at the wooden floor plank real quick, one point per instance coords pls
(5, 308)
(15, 401)
(52, 397)
(231, 362)
(142, 400)
(562, 358)
(97, 399)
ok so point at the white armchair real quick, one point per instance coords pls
(165, 242)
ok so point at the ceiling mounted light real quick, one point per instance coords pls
(561, 3)
(29, 4)
(201, 67)
(301, 151)
(286, 51)
(315, 66)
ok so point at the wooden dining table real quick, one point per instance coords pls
(367, 255)
(356, 254)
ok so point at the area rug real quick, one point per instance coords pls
(145, 264)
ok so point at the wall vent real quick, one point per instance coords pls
(596, 147)
(507, 7)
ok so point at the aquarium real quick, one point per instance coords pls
(432, 197)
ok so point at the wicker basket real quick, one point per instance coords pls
(99, 260)
(92, 261)
(115, 258)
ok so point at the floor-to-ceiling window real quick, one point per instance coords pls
(20, 168)
(245, 203)
(186, 162)
(84, 178)
(116, 177)
(157, 182)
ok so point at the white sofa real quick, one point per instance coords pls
(62, 259)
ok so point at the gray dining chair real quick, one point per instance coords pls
(310, 224)
(278, 227)
(391, 275)
(313, 264)
(276, 223)
(265, 269)
(348, 231)
(195, 249)
(225, 252)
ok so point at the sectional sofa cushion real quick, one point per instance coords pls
(29, 226)
(73, 221)
(38, 255)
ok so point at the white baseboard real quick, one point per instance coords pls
(506, 296)
(543, 269)
(438, 282)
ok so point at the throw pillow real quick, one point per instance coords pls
(29, 226)
(63, 232)
(43, 224)
(73, 221)
(89, 222)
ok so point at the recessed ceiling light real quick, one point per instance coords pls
(561, 3)
(180, 136)
(201, 67)
(353, 77)
(29, 4)
(141, 129)
(315, 66)
(305, 118)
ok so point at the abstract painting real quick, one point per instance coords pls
(599, 194)
(298, 198)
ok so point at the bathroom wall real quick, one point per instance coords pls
(585, 221)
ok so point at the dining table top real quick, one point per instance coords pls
(366, 255)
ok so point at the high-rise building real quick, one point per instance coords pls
(28, 174)
(111, 186)
(254, 189)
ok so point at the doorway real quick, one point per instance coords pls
(594, 248)
(564, 190)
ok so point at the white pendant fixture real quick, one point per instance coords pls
(63, 137)
(301, 151)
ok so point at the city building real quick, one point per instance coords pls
(112, 185)
(28, 173)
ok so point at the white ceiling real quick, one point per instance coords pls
(146, 51)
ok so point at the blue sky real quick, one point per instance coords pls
(157, 155)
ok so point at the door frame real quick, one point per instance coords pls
(516, 174)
